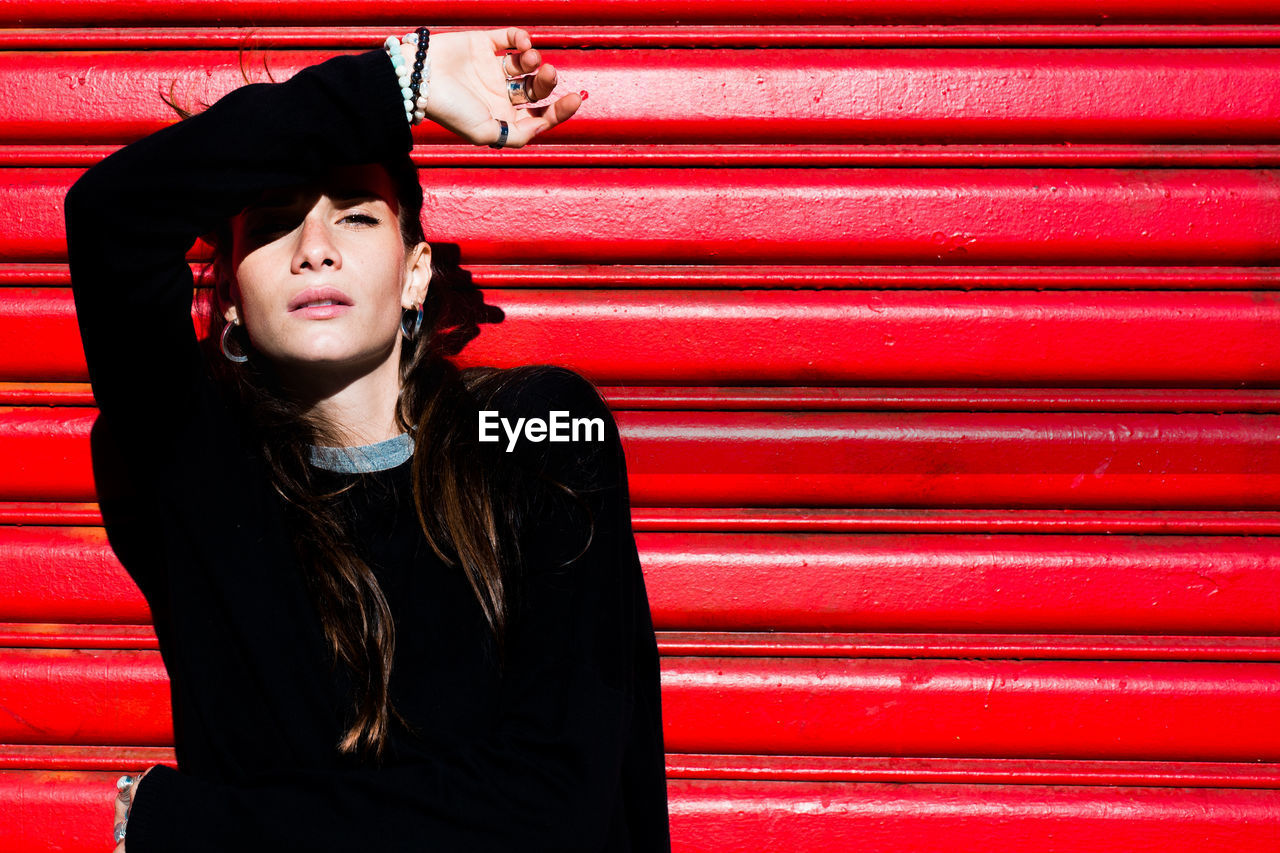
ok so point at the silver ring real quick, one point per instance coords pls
(124, 782)
(502, 135)
(119, 833)
(520, 89)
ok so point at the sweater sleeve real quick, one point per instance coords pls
(131, 219)
(549, 774)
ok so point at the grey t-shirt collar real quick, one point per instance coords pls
(364, 458)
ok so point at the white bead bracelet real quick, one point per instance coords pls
(413, 79)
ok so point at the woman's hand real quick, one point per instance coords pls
(124, 800)
(467, 90)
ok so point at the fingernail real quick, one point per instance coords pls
(583, 94)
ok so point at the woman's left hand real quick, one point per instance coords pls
(468, 87)
(124, 800)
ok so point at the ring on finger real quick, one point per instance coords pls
(520, 90)
(502, 135)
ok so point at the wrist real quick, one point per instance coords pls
(411, 59)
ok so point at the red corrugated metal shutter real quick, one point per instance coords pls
(943, 340)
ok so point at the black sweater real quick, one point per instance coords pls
(563, 753)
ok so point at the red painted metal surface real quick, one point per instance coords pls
(946, 337)
(791, 767)
(959, 645)
(1043, 583)
(831, 398)
(903, 337)
(943, 352)
(815, 398)
(839, 520)
(1124, 710)
(703, 643)
(32, 13)
(916, 216)
(772, 96)
(65, 574)
(791, 277)
(735, 35)
(879, 520)
(763, 581)
(844, 459)
(1075, 155)
(718, 815)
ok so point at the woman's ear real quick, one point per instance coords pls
(417, 275)
(224, 290)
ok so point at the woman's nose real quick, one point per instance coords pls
(315, 247)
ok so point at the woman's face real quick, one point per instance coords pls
(336, 241)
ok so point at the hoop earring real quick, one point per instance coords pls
(417, 324)
(226, 331)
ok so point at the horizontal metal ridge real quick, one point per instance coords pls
(390, 14)
(948, 520)
(977, 646)
(831, 398)
(805, 816)
(831, 768)
(923, 707)
(878, 217)
(846, 459)
(903, 338)
(749, 155)
(980, 771)
(518, 276)
(922, 583)
(18, 635)
(832, 95)
(837, 520)
(658, 35)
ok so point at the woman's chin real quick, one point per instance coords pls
(330, 356)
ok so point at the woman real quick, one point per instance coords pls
(383, 631)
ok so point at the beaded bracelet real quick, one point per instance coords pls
(413, 81)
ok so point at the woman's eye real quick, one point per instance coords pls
(268, 227)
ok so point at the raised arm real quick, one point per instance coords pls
(131, 218)
(550, 775)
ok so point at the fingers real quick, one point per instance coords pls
(540, 82)
(544, 81)
(527, 61)
(516, 64)
(511, 38)
(541, 119)
(531, 88)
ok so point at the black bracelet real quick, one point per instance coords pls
(412, 80)
(417, 79)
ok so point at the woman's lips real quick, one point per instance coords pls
(321, 312)
(299, 303)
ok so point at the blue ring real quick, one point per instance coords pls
(502, 135)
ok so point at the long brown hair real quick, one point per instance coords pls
(479, 498)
